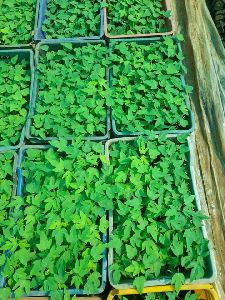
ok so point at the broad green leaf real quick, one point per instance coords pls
(131, 251)
(116, 276)
(44, 243)
(197, 272)
(139, 283)
(190, 296)
(178, 279)
(103, 224)
(5, 293)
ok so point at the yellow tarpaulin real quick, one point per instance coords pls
(205, 60)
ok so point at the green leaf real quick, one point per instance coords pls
(104, 224)
(116, 276)
(44, 47)
(131, 251)
(190, 296)
(197, 272)
(14, 59)
(67, 46)
(180, 37)
(172, 295)
(45, 243)
(115, 243)
(178, 280)
(139, 283)
(151, 296)
(23, 255)
(5, 293)
(177, 246)
(171, 69)
(2, 259)
(92, 283)
(188, 89)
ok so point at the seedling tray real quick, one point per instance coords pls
(210, 260)
(148, 41)
(40, 17)
(27, 54)
(205, 291)
(19, 192)
(24, 46)
(54, 45)
(169, 25)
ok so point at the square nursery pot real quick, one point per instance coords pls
(149, 41)
(29, 45)
(40, 17)
(29, 56)
(19, 192)
(204, 291)
(169, 25)
(55, 45)
(210, 272)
